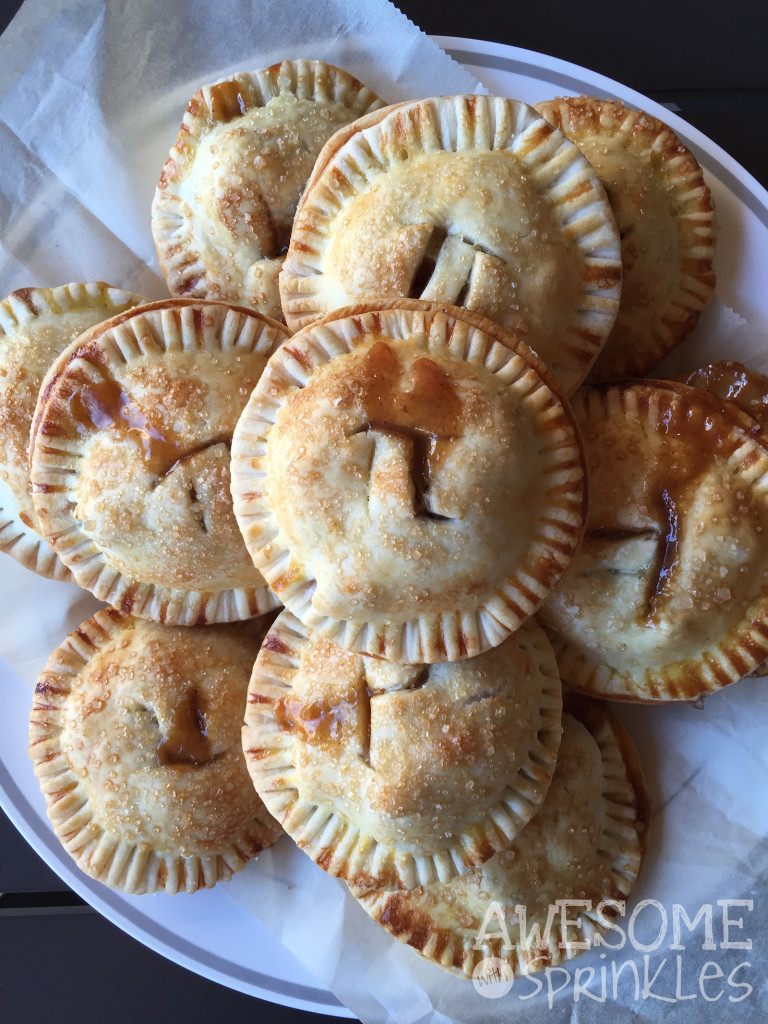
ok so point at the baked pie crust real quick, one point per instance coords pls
(399, 775)
(36, 325)
(470, 200)
(665, 217)
(586, 845)
(667, 597)
(135, 737)
(130, 459)
(408, 480)
(224, 206)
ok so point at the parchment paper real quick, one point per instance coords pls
(91, 96)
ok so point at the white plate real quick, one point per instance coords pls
(209, 933)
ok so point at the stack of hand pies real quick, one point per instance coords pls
(400, 389)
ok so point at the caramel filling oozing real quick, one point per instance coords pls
(732, 381)
(696, 434)
(106, 405)
(330, 721)
(318, 721)
(226, 102)
(186, 742)
(427, 411)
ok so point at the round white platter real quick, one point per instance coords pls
(209, 932)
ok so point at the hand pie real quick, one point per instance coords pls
(586, 845)
(408, 480)
(470, 200)
(665, 216)
(135, 737)
(399, 775)
(224, 207)
(667, 597)
(36, 325)
(130, 460)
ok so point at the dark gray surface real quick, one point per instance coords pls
(21, 870)
(67, 963)
(80, 969)
(653, 44)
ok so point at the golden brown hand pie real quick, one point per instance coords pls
(36, 325)
(398, 775)
(585, 845)
(135, 737)
(470, 200)
(667, 597)
(408, 480)
(130, 459)
(224, 207)
(665, 216)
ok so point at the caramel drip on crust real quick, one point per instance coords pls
(318, 721)
(105, 405)
(699, 431)
(430, 404)
(666, 560)
(186, 742)
(428, 412)
(330, 721)
(227, 101)
(734, 382)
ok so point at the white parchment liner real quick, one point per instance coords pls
(91, 97)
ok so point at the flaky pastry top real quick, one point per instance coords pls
(471, 200)
(224, 206)
(379, 470)
(36, 325)
(667, 596)
(393, 775)
(135, 736)
(130, 459)
(585, 845)
(665, 216)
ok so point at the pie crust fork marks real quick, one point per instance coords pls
(409, 481)
(398, 775)
(135, 740)
(667, 597)
(36, 325)
(225, 203)
(587, 843)
(130, 460)
(471, 200)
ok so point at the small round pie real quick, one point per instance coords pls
(665, 217)
(36, 325)
(130, 460)
(398, 775)
(224, 207)
(471, 200)
(135, 738)
(585, 845)
(667, 597)
(409, 481)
